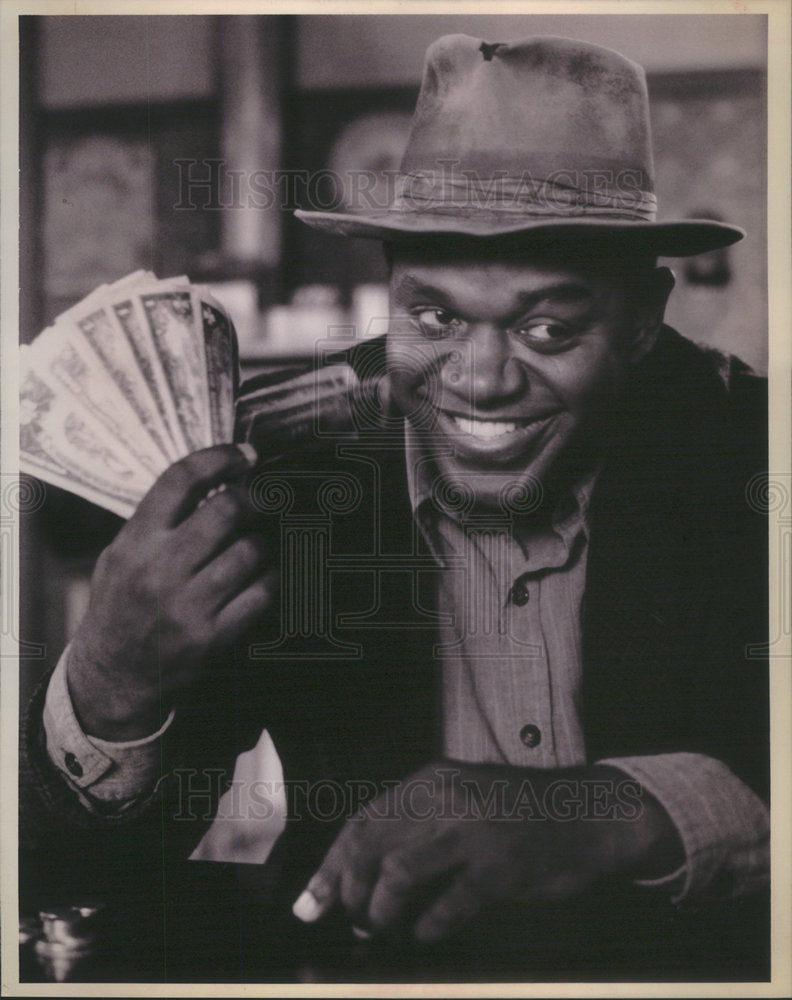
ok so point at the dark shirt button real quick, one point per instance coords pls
(519, 593)
(531, 736)
(73, 765)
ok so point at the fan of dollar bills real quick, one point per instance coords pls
(142, 372)
(134, 377)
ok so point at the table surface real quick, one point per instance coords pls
(218, 923)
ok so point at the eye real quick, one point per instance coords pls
(546, 332)
(438, 322)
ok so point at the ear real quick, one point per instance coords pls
(650, 308)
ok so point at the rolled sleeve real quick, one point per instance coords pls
(102, 773)
(723, 825)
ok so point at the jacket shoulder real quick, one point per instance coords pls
(736, 378)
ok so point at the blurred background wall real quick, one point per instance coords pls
(180, 144)
(125, 114)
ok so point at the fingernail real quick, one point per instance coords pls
(249, 452)
(307, 908)
(361, 934)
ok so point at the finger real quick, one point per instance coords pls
(213, 525)
(358, 879)
(323, 890)
(178, 490)
(230, 571)
(246, 607)
(403, 877)
(455, 907)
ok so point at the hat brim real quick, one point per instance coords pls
(663, 239)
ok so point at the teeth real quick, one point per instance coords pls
(485, 428)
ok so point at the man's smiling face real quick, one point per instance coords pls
(503, 363)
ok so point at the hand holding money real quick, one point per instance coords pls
(130, 401)
(143, 372)
(184, 576)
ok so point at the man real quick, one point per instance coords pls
(540, 582)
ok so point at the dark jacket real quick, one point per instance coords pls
(674, 621)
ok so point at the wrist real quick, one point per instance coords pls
(643, 842)
(107, 708)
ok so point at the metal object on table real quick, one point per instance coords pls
(64, 939)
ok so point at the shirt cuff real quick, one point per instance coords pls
(113, 774)
(723, 825)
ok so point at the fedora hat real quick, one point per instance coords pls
(545, 137)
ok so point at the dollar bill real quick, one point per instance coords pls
(301, 410)
(170, 321)
(100, 328)
(135, 376)
(65, 360)
(63, 479)
(222, 364)
(59, 436)
(104, 293)
(140, 341)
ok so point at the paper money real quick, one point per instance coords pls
(171, 322)
(142, 372)
(221, 364)
(142, 345)
(64, 359)
(59, 436)
(306, 408)
(132, 378)
(103, 332)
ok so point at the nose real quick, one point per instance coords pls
(483, 371)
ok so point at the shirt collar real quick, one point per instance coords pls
(568, 522)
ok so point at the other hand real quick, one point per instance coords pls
(455, 840)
